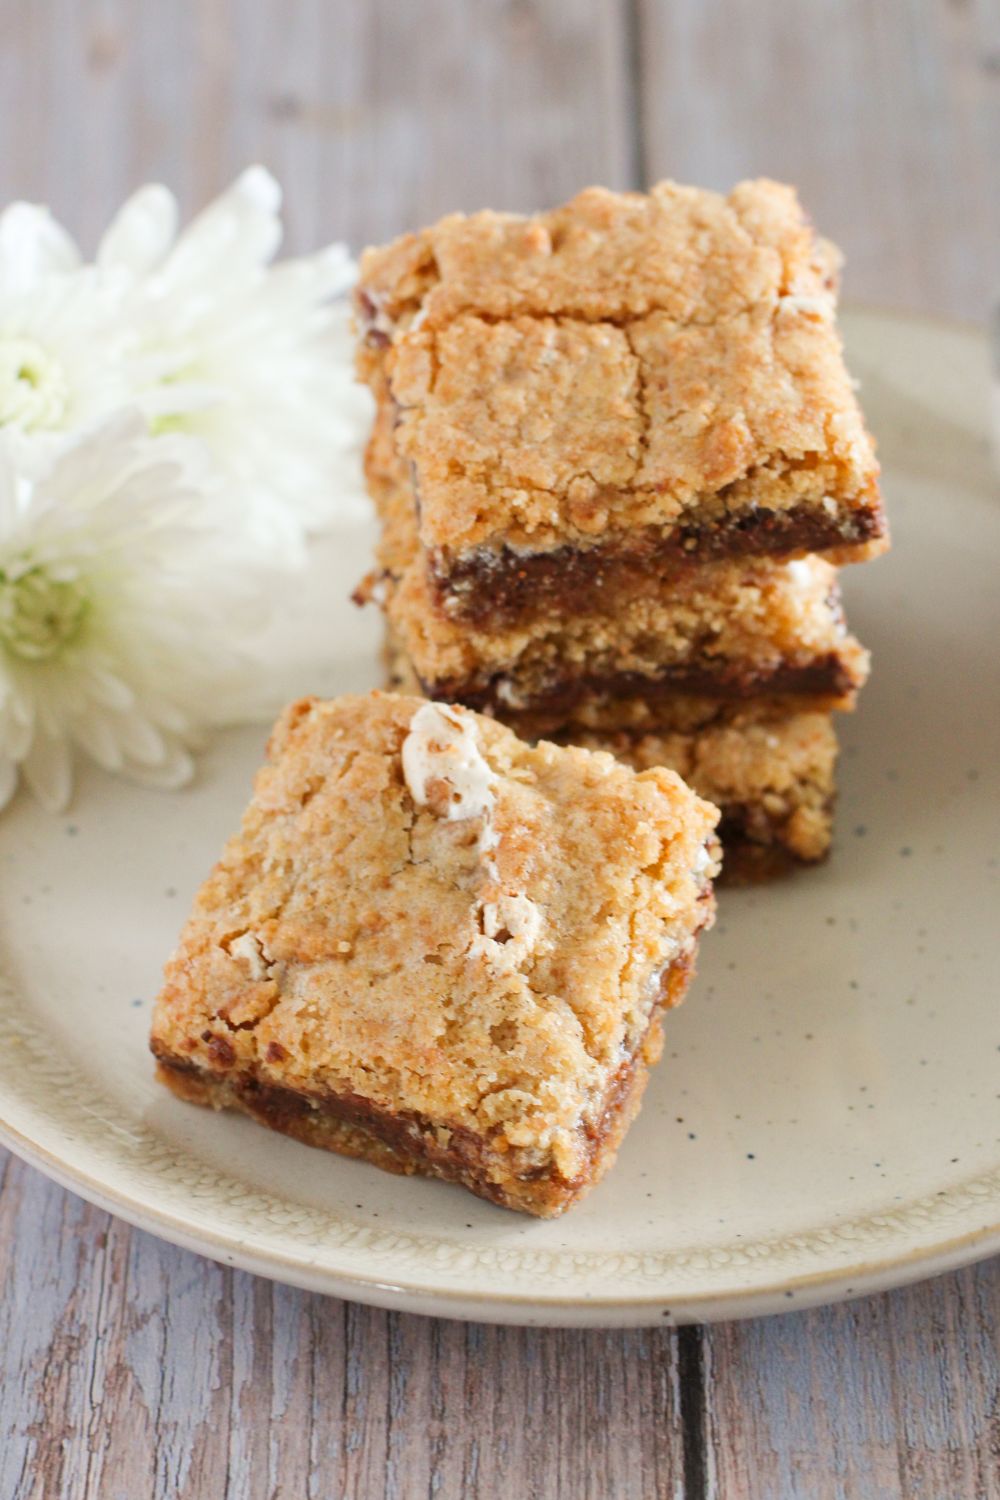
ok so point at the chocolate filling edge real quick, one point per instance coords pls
(497, 585)
(750, 859)
(412, 1144)
(826, 675)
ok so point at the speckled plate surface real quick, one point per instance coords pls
(826, 1121)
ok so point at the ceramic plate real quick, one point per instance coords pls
(826, 1119)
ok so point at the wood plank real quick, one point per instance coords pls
(144, 1369)
(886, 116)
(376, 117)
(133, 1368)
(52, 1263)
(888, 1398)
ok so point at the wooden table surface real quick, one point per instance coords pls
(129, 1368)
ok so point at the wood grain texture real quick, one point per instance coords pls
(134, 1369)
(886, 115)
(886, 1397)
(131, 1369)
(374, 117)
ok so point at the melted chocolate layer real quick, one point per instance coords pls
(825, 675)
(496, 587)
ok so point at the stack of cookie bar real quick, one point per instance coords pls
(617, 460)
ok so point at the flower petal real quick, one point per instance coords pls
(142, 232)
(48, 770)
(17, 736)
(8, 495)
(328, 273)
(8, 781)
(141, 740)
(176, 771)
(32, 245)
(242, 227)
(105, 687)
(95, 733)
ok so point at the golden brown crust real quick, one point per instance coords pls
(772, 779)
(623, 371)
(344, 945)
(677, 250)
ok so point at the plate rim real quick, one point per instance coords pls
(809, 1289)
(872, 1273)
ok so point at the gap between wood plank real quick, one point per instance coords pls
(691, 1378)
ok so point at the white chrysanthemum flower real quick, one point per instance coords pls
(119, 616)
(204, 336)
(67, 357)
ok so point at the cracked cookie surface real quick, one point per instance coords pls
(772, 778)
(630, 377)
(396, 956)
